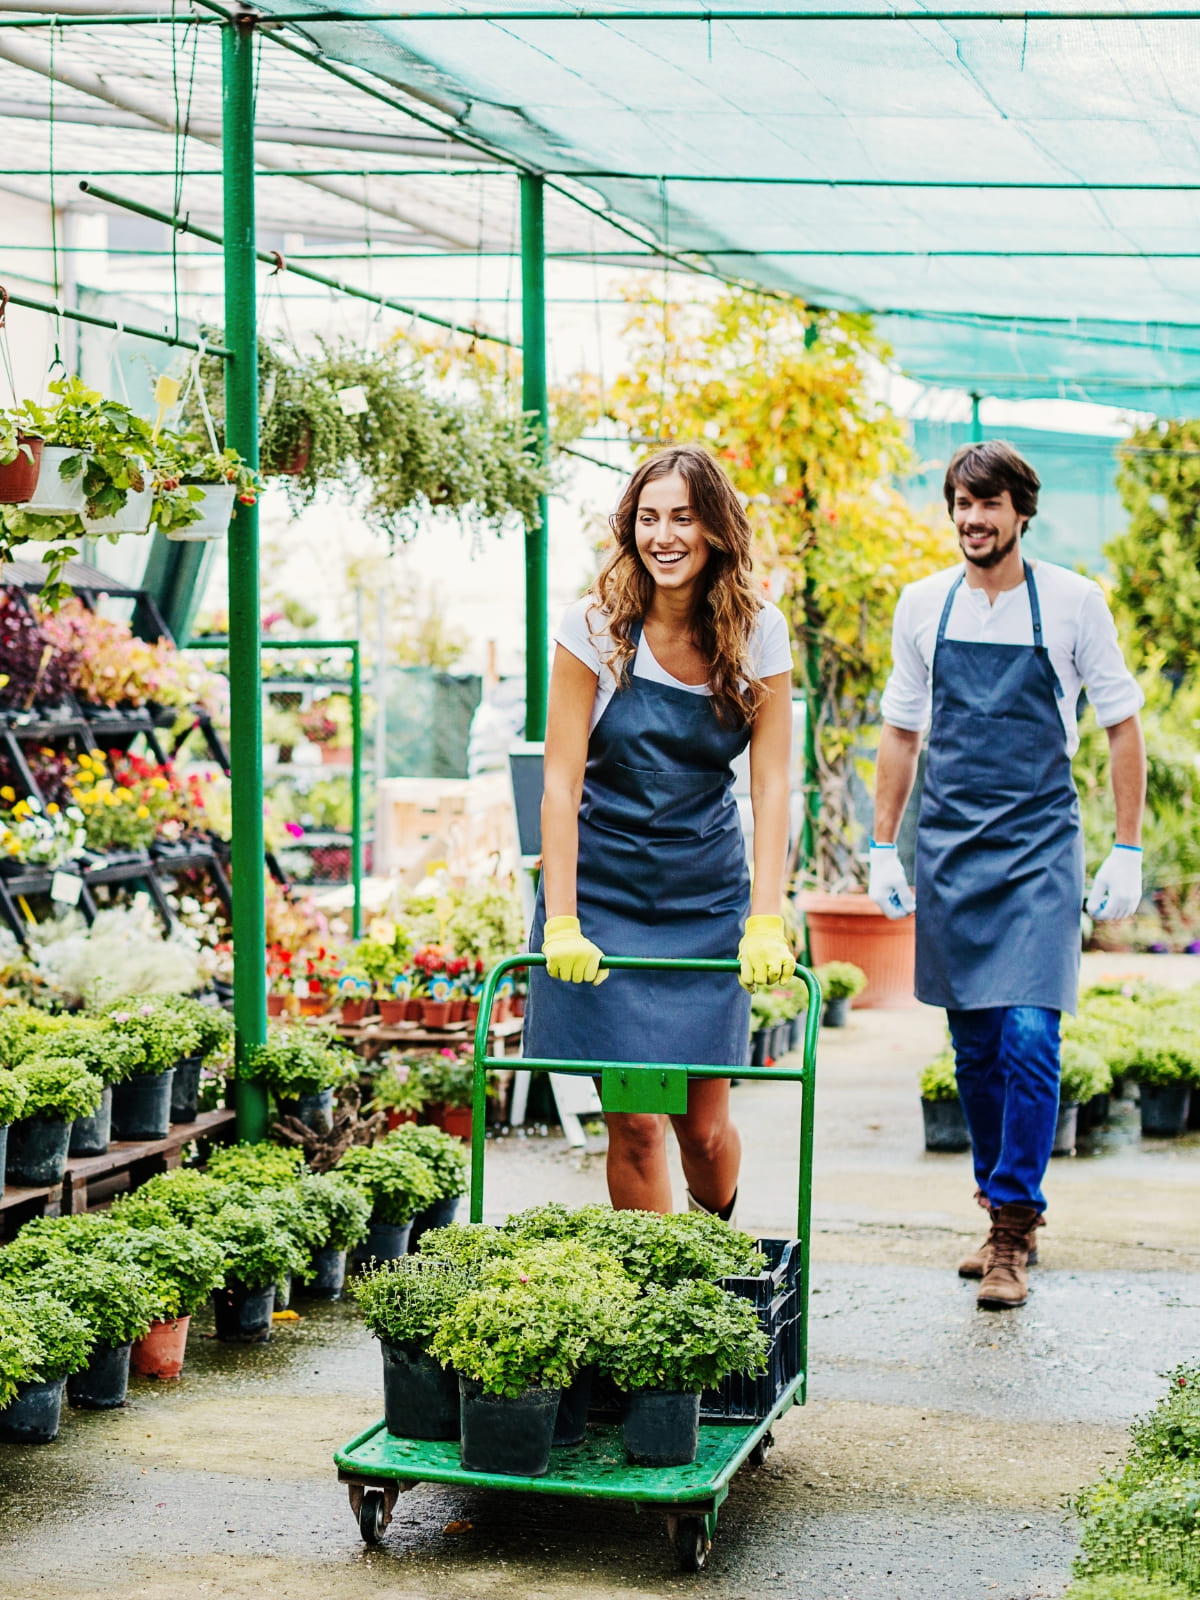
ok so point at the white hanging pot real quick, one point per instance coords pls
(216, 509)
(55, 495)
(133, 517)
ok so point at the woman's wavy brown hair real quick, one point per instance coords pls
(727, 614)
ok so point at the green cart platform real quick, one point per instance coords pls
(378, 1466)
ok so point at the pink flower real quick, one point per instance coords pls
(294, 828)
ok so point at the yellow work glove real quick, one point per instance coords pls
(569, 955)
(765, 954)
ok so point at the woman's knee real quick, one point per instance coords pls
(639, 1140)
(704, 1142)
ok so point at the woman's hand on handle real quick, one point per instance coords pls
(569, 956)
(764, 953)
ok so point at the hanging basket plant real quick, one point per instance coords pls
(196, 489)
(20, 461)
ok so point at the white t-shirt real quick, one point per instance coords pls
(770, 651)
(1077, 628)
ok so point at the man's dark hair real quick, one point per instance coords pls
(990, 468)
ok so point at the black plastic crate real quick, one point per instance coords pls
(776, 1293)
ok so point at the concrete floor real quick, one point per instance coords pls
(934, 1457)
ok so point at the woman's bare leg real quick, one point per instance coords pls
(637, 1162)
(709, 1143)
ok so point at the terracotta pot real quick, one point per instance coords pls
(502, 1009)
(435, 1013)
(396, 1118)
(336, 755)
(414, 1010)
(160, 1353)
(19, 478)
(353, 1011)
(471, 1014)
(851, 927)
(392, 1011)
(313, 1005)
(276, 1005)
(458, 1010)
(518, 1005)
(455, 1120)
(291, 466)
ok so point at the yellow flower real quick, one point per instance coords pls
(85, 762)
(52, 809)
(97, 756)
(159, 783)
(143, 812)
(124, 794)
(21, 809)
(8, 792)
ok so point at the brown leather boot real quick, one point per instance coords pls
(1004, 1283)
(977, 1263)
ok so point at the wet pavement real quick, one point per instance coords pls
(934, 1457)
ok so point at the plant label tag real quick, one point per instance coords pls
(352, 400)
(66, 887)
(632, 1087)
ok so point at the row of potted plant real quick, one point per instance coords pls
(777, 1014)
(498, 1337)
(70, 1083)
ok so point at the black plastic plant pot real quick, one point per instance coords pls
(420, 1397)
(796, 1032)
(758, 1048)
(837, 1011)
(185, 1089)
(1095, 1112)
(142, 1106)
(1165, 1109)
(33, 1416)
(315, 1111)
(662, 1427)
(570, 1426)
(37, 1150)
(385, 1241)
(3, 1154)
(326, 1275)
(244, 1315)
(510, 1435)
(945, 1125)
(102, 1384)
(1066, 1129)
(439, 1215)
(283, 1292)
(90, 1135)
(1193, 1121)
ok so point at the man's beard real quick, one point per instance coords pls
(994, 556)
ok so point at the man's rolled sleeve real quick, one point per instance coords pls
(1112, 689)
(907, 701)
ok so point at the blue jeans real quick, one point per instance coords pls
(1007, 1065)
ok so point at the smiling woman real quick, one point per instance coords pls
(664, 674)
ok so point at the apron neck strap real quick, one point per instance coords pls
(1035, 609)
(949, 606)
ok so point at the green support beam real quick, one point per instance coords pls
(535, 402)
(976, 425)
(356, 816)
(245, 664)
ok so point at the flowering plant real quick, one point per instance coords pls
(108, 666)
(40, 837)
(280, 977)
(328, 720)
(115, 816)
(34, 669)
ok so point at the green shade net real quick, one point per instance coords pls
(1054, 287)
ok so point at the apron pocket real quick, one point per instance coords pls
(982, 759)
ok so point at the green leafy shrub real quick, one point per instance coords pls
(1170, 1434)
(1125, 1586)
(1165, 1055)
(406, 1301)
(112, 1053)
(116, 1301)
(398, 1087)
(56, 1087)
(13, 1095)
(395, 1179)
(441, 1152)
(840, 980)
(262, 1166)
(687, 1338)
(299, 1060)
(338, 1213)
(21, 1351)
(937, 1080)
(468, 1244)
(651, 1247)
(1084, 1073)
(257, 1250)
(536, 1318)
(45, 1239)
(63, 1330)
(180, 1266)
(184, 1195)
(447, 1078)
(208, 1028)
(162, 1037)
(22, 1033)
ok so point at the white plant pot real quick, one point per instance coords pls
(216, 509)
(133, 517)
(54, 496)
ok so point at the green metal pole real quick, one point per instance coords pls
(245, 664)
(976, 425)
(356, 829)
(535, 403)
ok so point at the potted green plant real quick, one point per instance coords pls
(1085, 1074)
(13, 1095)
(181, 1266)
(57, 1090)
(399, 1089)
(398, 1184)
(382, 957)
(213, 1027)
(198, 488)
(302, 1067)
(257, 1166)
(448, 1084)
(20, 461)
(518, 1339)
(142, 1097)
(676, 1343)
(94, 466)
(257, 1250)
(337, 1216)
(446, 1159)
(404, 1303)
(840, 981)
(42, 1342)
(116, 1302)
(1165, 1063)
(651, 1247)
(94, 1044)
(941, 1109)
(354, 991)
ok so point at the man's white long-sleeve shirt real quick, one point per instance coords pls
(1077, 629)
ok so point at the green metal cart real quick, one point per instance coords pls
(378, 1466)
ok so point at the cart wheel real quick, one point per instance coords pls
(690, 1541)
(762, 1449)
(371, 1516)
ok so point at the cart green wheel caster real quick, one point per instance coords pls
(762, 1449)
(371, 1516)
(690, 1541)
